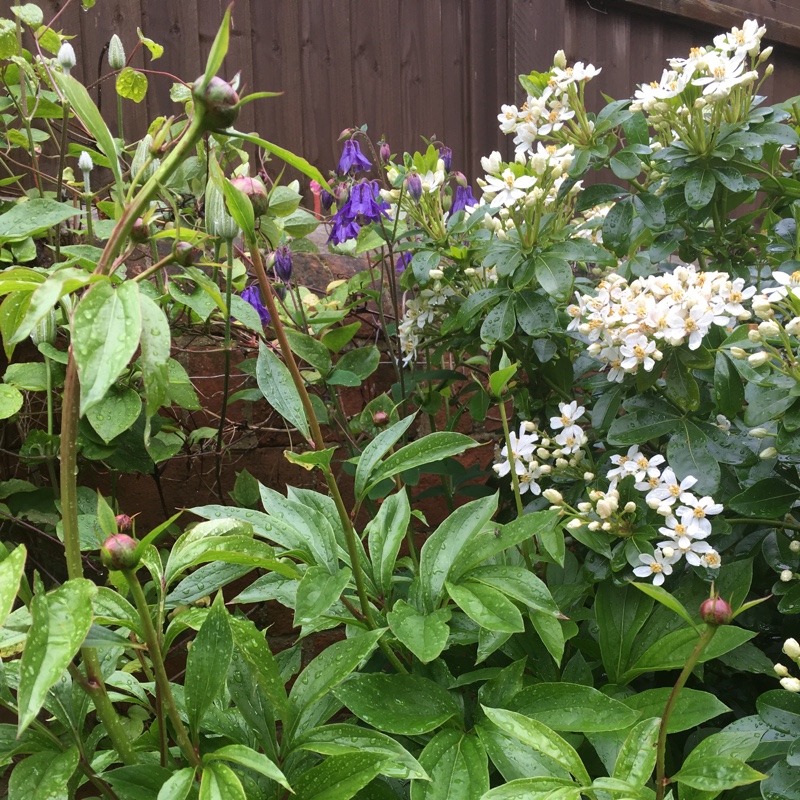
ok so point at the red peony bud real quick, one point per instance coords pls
(140, 232)
(186, 254)
(124, 523)
(255, 191)
(715, 611)
(119, 552)
(219, 101)
(380, 418)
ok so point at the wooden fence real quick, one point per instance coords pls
(406, 68)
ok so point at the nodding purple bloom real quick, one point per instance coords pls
(364, 205)
(462, 199)
(353, 159)
(385, 152)
(414, 186)
(326, 200)
(446, 154)
(283, 263)
(252, 294)
(402, 261)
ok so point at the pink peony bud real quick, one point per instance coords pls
(119, 552)
(256, 192)
(715, 611)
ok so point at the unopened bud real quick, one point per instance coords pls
(116, 53)
(436, 274)
(140, 232)
(119, 552)
(85, 163)
(256, 192)
(186, 254)
(715, 611)
(768, 453)
(380, 419)
(758, 359)
(765, 54)
(560, 59)
(283, 263)
(414, 187)
(219, 102)
(792, 649)
(588, 476)
(385, 152)
(737, 352)
(759, 433)
(446, 155)
(575, 523)
(124, 523)
(668, 552)
(769, 328)
(793, 326)
(794, 546)
(553, 496)
(786, 575)
(780, 670)
(630, 507)
(45, 331)
(66, 57)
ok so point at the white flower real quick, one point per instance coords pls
(694, 550)
(569, 413)
(493, 163)
(694, 514)
(508, 188)
(522, 448)
(744, 42)
(724, 74)
(669, 489)
(656, 565)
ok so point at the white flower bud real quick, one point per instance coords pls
(769, 328)
(768, 453)
(793, 327)
(588, 476)
(794, 546)
(668, 552)
(560, 59)
(630, 507)
(392, 175)
(553, 496)
(436, 274)
(575, 523)
(562, 463)
(767, 72)
(765, 54)
(66, 57)
(542, 453)
(759, 433)
(558, 453)
(664, 510)
(790, 684)
(493, 163)
(754, 336)
(606, 526)
(469, 271)
(792, 649)
(786, 576)
(116, 53)
(594, 526)
(584, 508)
(604, 509)
(780, 670)
(737, 352)
(85, 162)
(545, 469)
(758, 359)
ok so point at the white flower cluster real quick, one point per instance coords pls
(626, 324)
(715, 70)
(531, 448)
(591, 226)
(791, 648)
(546, 115)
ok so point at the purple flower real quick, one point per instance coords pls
(326, 199)
(414, 186)
(252, 294)
(343, 229)
(462, 199)
(352, 158)
(402, 261)
(363, 205)
(446, 154)
(283, 263)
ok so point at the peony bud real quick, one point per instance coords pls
(715, 611)
(66, 57)
(116, 53)
(219, 101)
(380, 419)
(124, 523)
(119, 552)
(140, 232)
(255, 191)
(186, 254)
(792, 649)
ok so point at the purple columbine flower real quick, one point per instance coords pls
(402, 261)
(343, 229)
(283, 263)
(462, 199)
(363, 205)
(353, 159)
(252, 294)
(414, 186)
(326, 199)
(446, 154)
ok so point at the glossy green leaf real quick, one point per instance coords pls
(650, 209)
(716, 773)
(488, 607)
(376, 450)
(572, 707)
(535, 314)
(770, 497)
(660, 594)
(178, 786)
(538, 736)
(692, 708)
(275, 383)
(551, 633)
(90, 116)
(408, 705)
(44, 776)
(637, 758)
(554, 275)
(115, 413)
(10, 401)
(443, 546)
(131, 84)
(106, 327)
(60, 623)
(538, 788)
(309, 349)
(32, 217)
(699, 188)
(433, 447)
(518, 583)
(219, 49)
(155, 352)
(362, 362)
(12, 568)
(680, 386)
(457, 765)
(728, 387)
(617, 226)
(219, 782)
(338, 777)
(317, 592)
(780, 710)
(500, 322)
(688, 453)
(247, 757)
(638, 426)
(342, 738)
(425, 635)
(207, 663)
(385, 534)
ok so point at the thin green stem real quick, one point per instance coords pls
(512, 458)
(775, 523)
(159, 670)
(62, 157)
(227, 376)
(119, 117)
(661, 746)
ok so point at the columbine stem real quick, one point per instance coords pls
(661, 780)
(159, 671)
